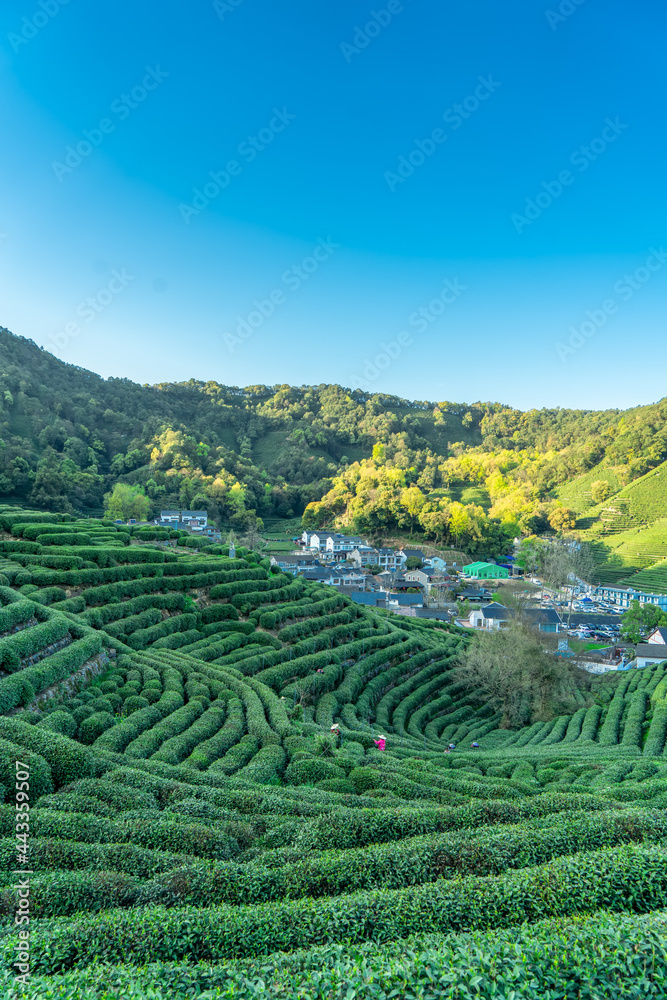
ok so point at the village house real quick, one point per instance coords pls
(351, 576)
(648, 653)
(475, 594)
(388, 559)
(195, 520)
(624, 596)
(318, 540)
(383, 599)
(213, 533)
(340, 546)
(327, 575)
(495, 616)
(295, 562)
(485, 571)
(426, 578)
(366, 555)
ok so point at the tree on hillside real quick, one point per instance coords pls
(555, 564)
(640, 619)
(600, 490)
(564, 562)
(125, 502)
(511, 669)
(562, 519)
(528, 554)
(253, 539)
(460, 522)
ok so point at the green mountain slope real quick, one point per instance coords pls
(472, 475)
(195, 828)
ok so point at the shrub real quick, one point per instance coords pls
(68, 538)
(20, 688)
(563, 887)
(126, 626)
(68, 760)
(82, 712)
(340, 785)
(48, 595)
(365, 778)
(218, 612)
(210, 751)
(145, 636)
(40, 781)
(591, 721)
(311, 770)
(655, 739)
(632, 731)
(94, 725)
(15, 647)
(176, 749)
(60, 722)
(136, 702)
(15, 614)
(266, 766)
(151, 739)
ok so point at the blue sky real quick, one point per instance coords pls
(256, 192)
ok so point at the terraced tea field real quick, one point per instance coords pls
(195, 831)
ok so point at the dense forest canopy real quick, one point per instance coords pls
(473, 474)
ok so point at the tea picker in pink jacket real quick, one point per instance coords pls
(380, 742)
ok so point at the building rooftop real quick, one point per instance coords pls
(655, 650)
(549, 615)
(375, 599)
(475, 593)
(406, 600)
(183, 513)
(496, 612)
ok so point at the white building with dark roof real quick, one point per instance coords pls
(196, 520)
(649, 653)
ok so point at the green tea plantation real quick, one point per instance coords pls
(178, 819)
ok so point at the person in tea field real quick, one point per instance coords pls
(475, 745)
(380, 742)
(336, 734)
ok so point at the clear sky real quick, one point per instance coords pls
(442, 200)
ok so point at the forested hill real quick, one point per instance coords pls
(374, 462)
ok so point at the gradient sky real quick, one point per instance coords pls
(351, 103)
